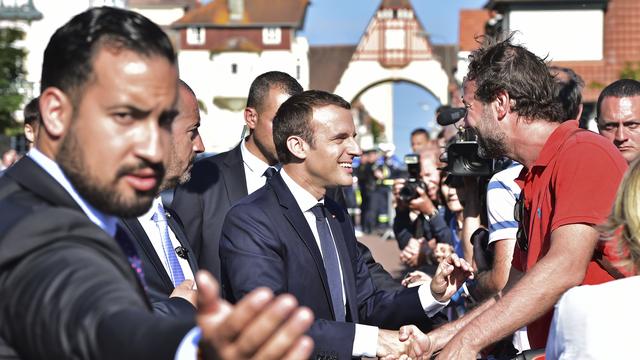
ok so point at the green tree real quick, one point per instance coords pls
(11, 74)
(630, 71)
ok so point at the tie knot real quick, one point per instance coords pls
(159, 215)
(269, 172)
(318, 211)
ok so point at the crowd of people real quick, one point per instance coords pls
(255, 255)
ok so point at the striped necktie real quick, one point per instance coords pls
(175, 270)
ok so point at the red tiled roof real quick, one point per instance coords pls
(162, 3)
(288, 13)
(472, 23)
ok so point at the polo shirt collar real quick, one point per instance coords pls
(557, 138)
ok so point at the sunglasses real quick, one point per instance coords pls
(520, 213)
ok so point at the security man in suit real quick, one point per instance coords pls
(71, 283)
(168, 263)
(290, 237)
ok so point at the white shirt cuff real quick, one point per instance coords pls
(365, 343)
(188, 348)
(430, 305)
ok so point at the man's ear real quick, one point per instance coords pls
(250, 117)
(503, 104)
(297, 146)
(56, 110)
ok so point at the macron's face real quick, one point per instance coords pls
(329, 161)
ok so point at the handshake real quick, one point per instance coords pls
(267, 327)
(409, 342)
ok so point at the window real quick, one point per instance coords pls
(195, 36)
(271, 36)
(394, 39)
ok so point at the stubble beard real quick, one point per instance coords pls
(491, 142)
(97, 192)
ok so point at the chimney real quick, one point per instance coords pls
(236, 9)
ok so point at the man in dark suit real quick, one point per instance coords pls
(71, 285)
(168, 263)
(289, 237)
(219, 181)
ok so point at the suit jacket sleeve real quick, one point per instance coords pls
(252, 256)
(73, 297)
(381, 278)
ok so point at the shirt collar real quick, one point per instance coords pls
(254, 164)
(148, 216)
(104, 221)
(304, 198)
(555, 140)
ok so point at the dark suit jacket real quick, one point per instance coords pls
(217, 182)
(67, 289)
(266, 241)
(159, 285)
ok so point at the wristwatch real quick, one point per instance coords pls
(432, 215)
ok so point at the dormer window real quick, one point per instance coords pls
(271, 36)
(195, 36)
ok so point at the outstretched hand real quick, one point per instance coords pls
(452, 272)
(258, 326)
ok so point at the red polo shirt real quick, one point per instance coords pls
(573, 181)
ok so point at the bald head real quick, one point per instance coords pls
(185, 138)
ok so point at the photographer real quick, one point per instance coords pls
(419, 223)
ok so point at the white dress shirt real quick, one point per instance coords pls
(596, 322)
(108, 224)
(153, 234)
(365, 342)
(254, 169)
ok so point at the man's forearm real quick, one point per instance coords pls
(446, 332)
(515, 309)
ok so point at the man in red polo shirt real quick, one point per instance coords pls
(569, 183)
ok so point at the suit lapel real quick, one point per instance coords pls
(336, 220)
(137, 233)
(234, 178)
(294, 215)
(182, 239)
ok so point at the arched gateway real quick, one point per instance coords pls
(394, 47)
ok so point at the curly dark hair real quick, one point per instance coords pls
(499, 65)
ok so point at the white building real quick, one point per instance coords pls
(224, 45)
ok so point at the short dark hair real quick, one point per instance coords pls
(619, 89)
(31, 112)
(294, 119)
(503, 66)
(260, 87)
(420, 131)
(568, 90)
(68, 58)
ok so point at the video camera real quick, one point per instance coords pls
(461, 155)
(410, 190)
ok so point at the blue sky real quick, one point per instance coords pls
(344, 21)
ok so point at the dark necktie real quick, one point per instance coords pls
(269, 172)
(130, 252)
(331, 262)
